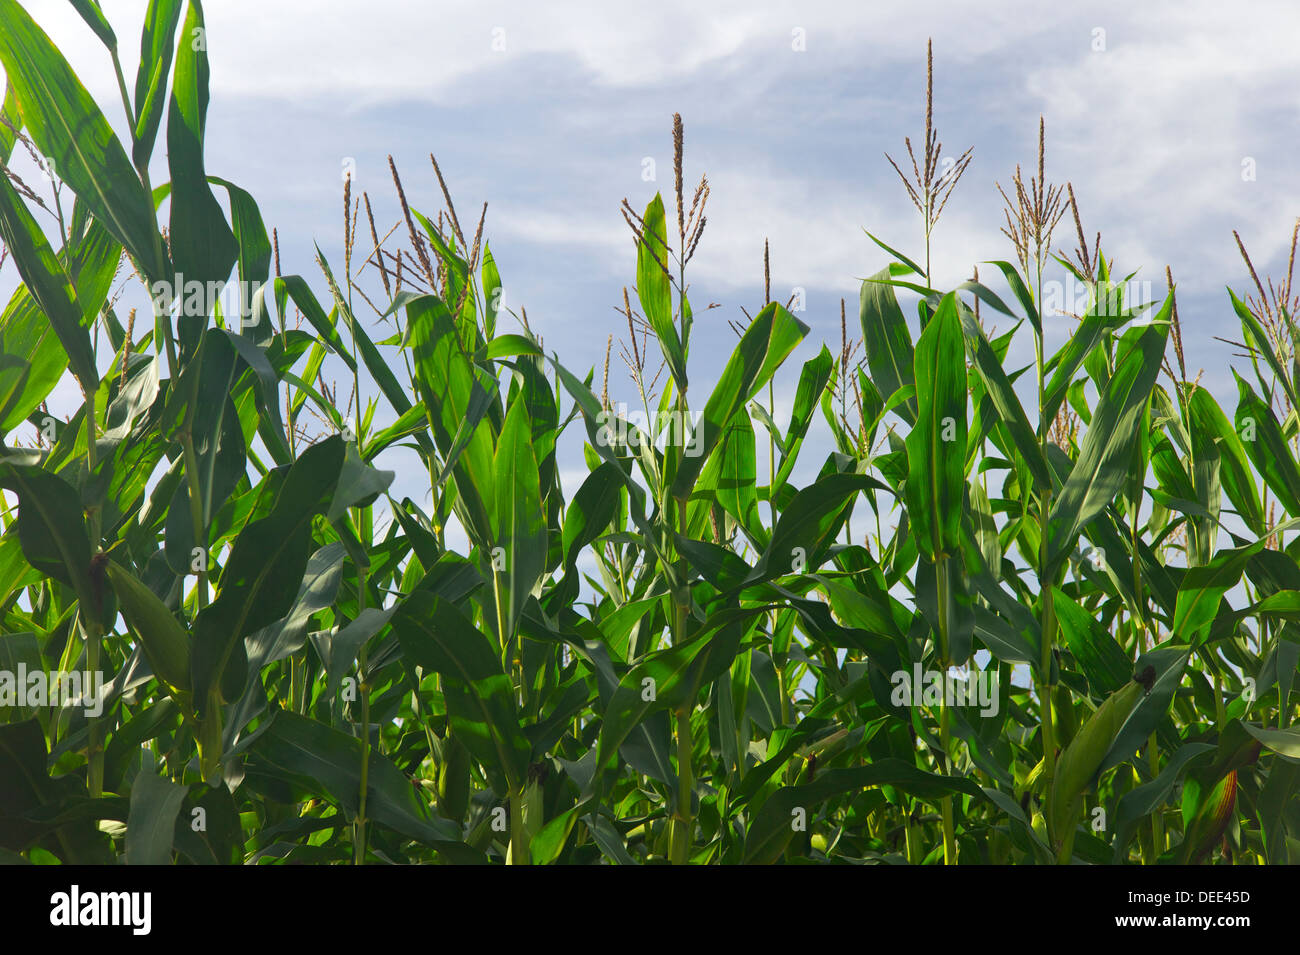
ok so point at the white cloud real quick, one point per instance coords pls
(393, 48)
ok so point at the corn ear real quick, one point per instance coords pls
(1082, 758)
(1039, 825)
(1207, 810)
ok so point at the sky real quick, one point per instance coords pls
(1174, 121)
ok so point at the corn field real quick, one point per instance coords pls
(1026, 615)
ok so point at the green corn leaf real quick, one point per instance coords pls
(813, 379)
(52, 529)
(772, 829)
(767, 342)
(1100, 658)
(1258, 341)
(915, 269)
(988, 367)
(1238, 480)
(69, 129)
(1284, 742)
(26, 787)
(454, 394)
(90, 263)
(1267, 447)
(94, 16)
(480, 700)
(654, 288)
(730, 478)
(518, 521)
(317, 759)
(254, 259)
(155, 804)
(1138, 803)
(506, 346)
(262, 574)
(1168, 661)
(493, 293)
(1102, 466)
(165, 641)
(13, 122)
(887, 341)
(591, 512)
(936, 445)
(156, 39)
(809, 524)
(44, 277)
(1090, 333)
(670, 678)
(203, 247)
(298, 290)
(1021, 292)
(1203, 587)
(203, 399)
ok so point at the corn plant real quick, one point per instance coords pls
(1030, 615)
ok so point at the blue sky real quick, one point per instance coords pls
(548, 113)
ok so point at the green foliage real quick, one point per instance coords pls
(693, 658)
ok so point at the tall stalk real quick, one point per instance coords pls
(943, 586)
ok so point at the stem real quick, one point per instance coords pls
(519, 853)
(949, 834)
(927, 243)
(162, 326)
(359, 840)
(121, 88)
(771, 453)
(196, 514)
(1044, 582)
(507, 663)
(91, 451)
(684, 821)
(94, 745)
(1045, 687)
(90, 622)
(943, 585)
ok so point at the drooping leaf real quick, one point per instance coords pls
(324, 761)
(480, 700)
(44, 277)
